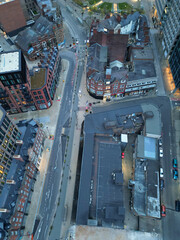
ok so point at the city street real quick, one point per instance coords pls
(58, 169)
(53, 210)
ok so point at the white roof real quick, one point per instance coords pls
(9, 61)
(124, 138)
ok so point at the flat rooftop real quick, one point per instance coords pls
(38, 79)
(147, 147)
(9, 61)
(101, 195)
(96, 233)
(142, 54)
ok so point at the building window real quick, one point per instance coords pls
(36, 97)
(41, 97)
(39, 92)
(35, 93)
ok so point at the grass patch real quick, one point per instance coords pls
(92, 2)
(125, 6)
(140, 10)
(79, 2)
(106, 6)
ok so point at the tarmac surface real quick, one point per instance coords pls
(47, 117)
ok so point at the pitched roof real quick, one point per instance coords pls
(116, 43)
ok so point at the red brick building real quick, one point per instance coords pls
(106, 75)
(22, 90)
(15, 86)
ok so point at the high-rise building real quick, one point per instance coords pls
(12, 17)
(9, 135)
(15, 88)
(174, 62)
(169, 16)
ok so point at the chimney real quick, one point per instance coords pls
(94, 30)
(111, 31)
(108, 73)
(10, 182)
(118, 18)
(18, 157)
(19, 142)
(107, 16)
(3, 210)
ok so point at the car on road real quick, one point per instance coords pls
(161, 152)
(175, 174)
(175, 164)
(163, 210)
(160, 142)
(161, 184)
(177, 205)
(161, 173)
(1, 49)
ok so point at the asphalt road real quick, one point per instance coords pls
(51, 185)
(68, 110)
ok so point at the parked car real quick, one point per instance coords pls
(161, 152)
(1, 49)
(177, 205)
(175, 164)
(161, 173)
(160, 142)
(175, 174)
(161, 184)
(163, 210)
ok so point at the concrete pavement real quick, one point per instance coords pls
(46, 117)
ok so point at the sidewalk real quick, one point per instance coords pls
(46, 117)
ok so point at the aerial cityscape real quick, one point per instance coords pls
(89, 119)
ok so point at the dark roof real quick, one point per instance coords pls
(41, 27)
(9, 193)
(100, 197)
(113, 21)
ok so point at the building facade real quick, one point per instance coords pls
(9, 135)
(17, 184)
(174, 62)
(45, 78)
(43, 34)
(23, 90)
(169, 16)
(15, 88)
(12, 18)
(30, 9)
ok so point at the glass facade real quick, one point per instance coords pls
(174, 62)
(8, 136)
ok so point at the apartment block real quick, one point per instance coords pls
(15, 87)
(22, 147)
(174, 62)
(169, 16)
(45, 77)
(9, 135)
